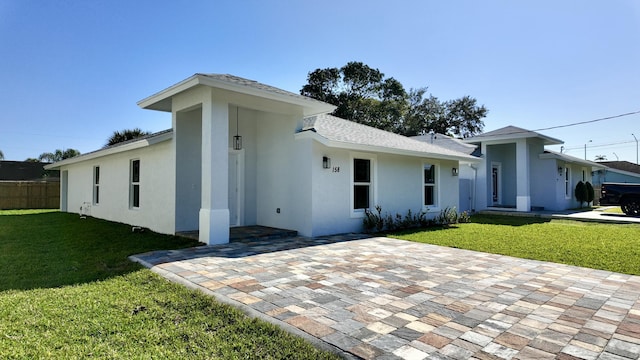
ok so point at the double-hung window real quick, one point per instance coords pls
(430, 185)
(361, 184)
(134, 190)
(96, 185)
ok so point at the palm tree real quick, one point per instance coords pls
(125, 135)
(601, 157)
(58, 155)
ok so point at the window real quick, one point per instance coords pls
(96, 185)
(430, 198)
(361, 184)
(567, 183)
(134, 192)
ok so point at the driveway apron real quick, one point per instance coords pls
(380, 298)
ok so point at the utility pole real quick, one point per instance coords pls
(636, 148)
(585, 150)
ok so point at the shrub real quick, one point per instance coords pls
(581, 192)
(374, 221)
(590, 192)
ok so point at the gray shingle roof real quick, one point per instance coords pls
(447, 142)
(512, 132)
(349, 132)
(236, 80)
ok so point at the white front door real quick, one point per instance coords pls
(235, 187)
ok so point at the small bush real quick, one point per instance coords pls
(590, 192)
(581, 192)
(374, 221)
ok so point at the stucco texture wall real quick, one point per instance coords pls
(157, 187)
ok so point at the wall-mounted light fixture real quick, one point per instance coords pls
(326, 162)
(560, 170)
(454, 171)
(237, 140)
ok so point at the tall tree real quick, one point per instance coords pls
(125, 135)
(58, 155)
(1, 155)
(363, 94)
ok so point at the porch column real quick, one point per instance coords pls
(483, 183)
(523, 188)
(214, 210)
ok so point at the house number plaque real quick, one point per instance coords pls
(336, 169)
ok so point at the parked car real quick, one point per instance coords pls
(625, 195)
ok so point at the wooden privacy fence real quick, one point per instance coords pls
(29, 194)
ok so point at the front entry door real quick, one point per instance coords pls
(496, 191)
(235, 187)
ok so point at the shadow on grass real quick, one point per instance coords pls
(53, 249)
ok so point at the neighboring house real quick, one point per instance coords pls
(617, 171)
(26, 171)
(27, 185)
(517, 173)
(297, 167)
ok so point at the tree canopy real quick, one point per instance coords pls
(125, 135)
(58, 155)
(1, 155)
(364, 95)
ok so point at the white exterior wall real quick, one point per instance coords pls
(157, 187)
(397, 182)
(283, 178)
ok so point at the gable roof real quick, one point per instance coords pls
(548, 154)
(162, 100)
(336, 132)
(133, 144)
(512, 133)
(447, 142)
(622, 165)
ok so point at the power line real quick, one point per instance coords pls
(590, 121)
(600, 145)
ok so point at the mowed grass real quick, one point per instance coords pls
(68, 291)
(610, 247)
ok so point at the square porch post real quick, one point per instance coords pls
(523, 168)
(214, 210)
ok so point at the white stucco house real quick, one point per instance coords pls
(516, 172)
(296, 167)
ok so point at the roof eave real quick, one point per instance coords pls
(110, 151)
(162, 100)
(572, 160)
(381, 149)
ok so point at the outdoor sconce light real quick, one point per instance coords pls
(454, 171)
(237, 140)
(326, 162)
(559, 171)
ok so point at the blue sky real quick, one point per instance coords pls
(72, 71)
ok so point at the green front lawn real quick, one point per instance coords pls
(68, 291)
(599, 246)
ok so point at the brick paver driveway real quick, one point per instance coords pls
(386, 298)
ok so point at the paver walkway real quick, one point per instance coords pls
(381, 298)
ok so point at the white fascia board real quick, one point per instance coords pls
(315, 107)
(572, 160)
(110, 151)
(169, 92)
(381, 149)
(505, 139)
(311, 107)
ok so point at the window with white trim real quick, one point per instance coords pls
(134, 190)
(567, 182)
(96, 185)
(430, 185)
(361, 184)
